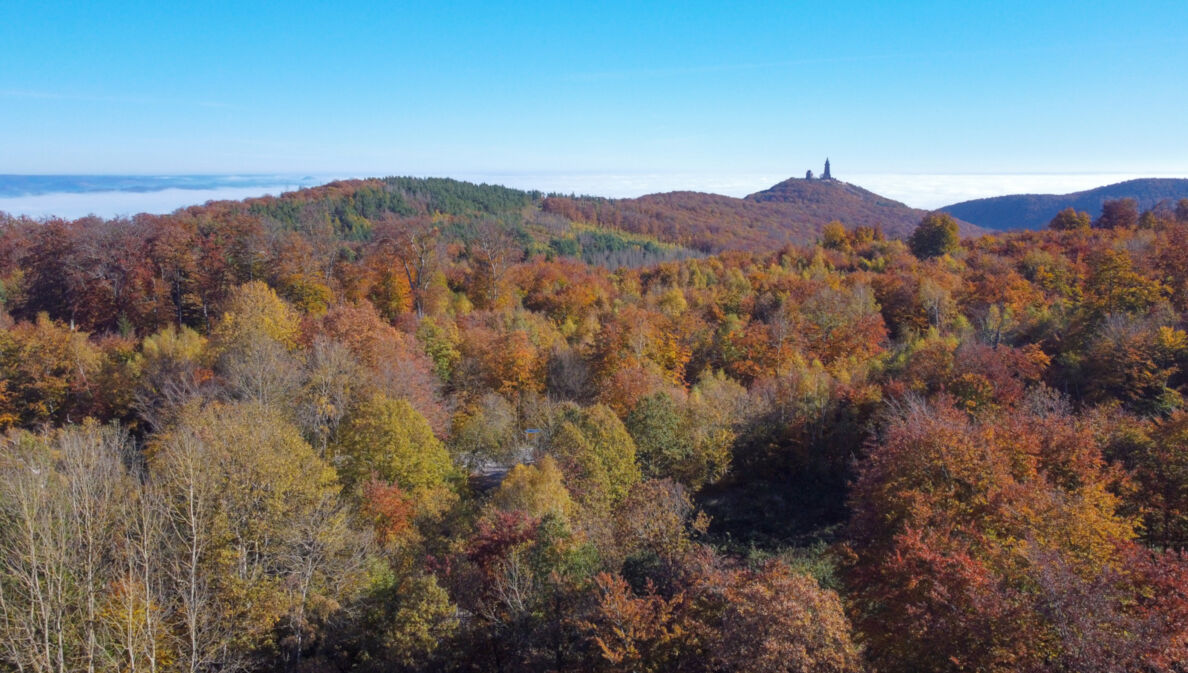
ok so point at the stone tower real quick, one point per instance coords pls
(826, 175)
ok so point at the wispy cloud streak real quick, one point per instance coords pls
(25, 94)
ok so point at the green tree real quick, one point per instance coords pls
(936, 235)
(405, 621)
(656, 425)
(1070, 219)
(1160, 466)
(596, 453)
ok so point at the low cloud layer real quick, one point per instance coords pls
(73, 205)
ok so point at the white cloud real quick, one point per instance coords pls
(111, 204)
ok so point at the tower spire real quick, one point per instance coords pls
(826, 175)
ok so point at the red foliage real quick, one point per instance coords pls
(388, 509)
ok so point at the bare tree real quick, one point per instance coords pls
(171, 376)
(332, 375)
(36, 599)
(415, 245)
(95, 481)
(262, 370)
(494, 248)
(141, 606)
(322, 555)
(191, 491)
(60, 500)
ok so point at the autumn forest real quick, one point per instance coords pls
(426, 425)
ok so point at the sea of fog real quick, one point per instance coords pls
(72, 196)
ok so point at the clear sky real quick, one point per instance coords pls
(713, 88)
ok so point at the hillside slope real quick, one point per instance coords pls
(793, 211)
(1034, 211)
(819, 201)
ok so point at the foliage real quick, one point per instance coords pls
(537, 490)
(596, 453)
(1070, 219)
(936, 235)
(389, 439)
(237, 437)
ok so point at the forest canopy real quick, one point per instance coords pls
(425, 425)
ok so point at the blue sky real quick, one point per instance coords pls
(616, 88)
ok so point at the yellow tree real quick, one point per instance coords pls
(46, 370)
(173, 368)
(596, 453)
(389, 439)
(255, 341)
(537, 490)
(257, 530)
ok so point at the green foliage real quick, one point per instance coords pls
(614, 249)
(596, 453)
(441, 345)
(351, 215)
(936, 235)
(405, 620)
(656, 426)
(454, 197)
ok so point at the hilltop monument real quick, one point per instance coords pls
(826, 175)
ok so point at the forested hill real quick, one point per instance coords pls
(820, 201)
(423, 426)
(462, 212)
(602, 231)
(1034, 211)
(793, 211)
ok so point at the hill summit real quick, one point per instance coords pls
(793, 211)
(817, 201)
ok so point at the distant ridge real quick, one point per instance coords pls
(1034, 211)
